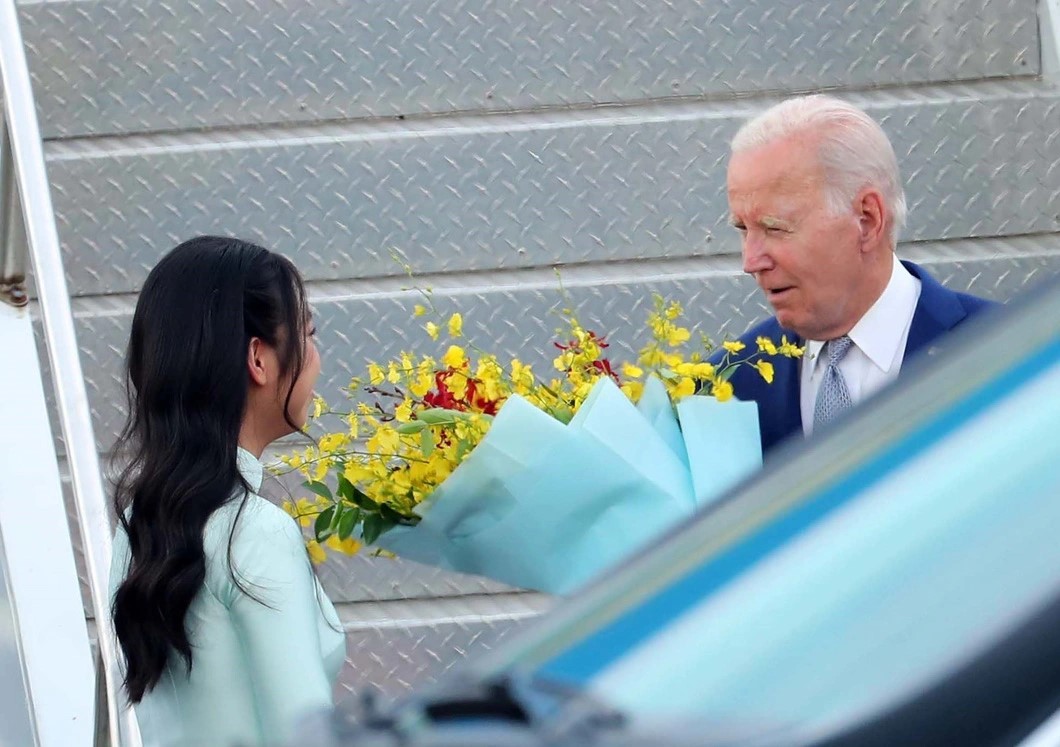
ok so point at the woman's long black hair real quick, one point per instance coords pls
(187, 384)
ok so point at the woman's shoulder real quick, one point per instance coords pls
(256, 521)
(249, 539)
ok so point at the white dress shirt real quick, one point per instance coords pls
(879, 340)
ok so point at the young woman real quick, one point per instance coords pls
(227, 635)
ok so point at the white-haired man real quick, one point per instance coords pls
(814, 191)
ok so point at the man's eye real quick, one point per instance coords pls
(739, 227)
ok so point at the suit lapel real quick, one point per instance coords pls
(937, 311)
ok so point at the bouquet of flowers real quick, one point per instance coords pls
(476, 466)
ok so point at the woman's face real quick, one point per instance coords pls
(302, 392)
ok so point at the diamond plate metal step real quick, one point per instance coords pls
(112, 66)
(513, 313)
(395, 647)
(479, 194)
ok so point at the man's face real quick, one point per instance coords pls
(806, 260)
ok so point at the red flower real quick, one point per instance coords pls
(441, 396)
(604, 366)
(444, 398)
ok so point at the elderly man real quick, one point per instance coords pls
(814, 192)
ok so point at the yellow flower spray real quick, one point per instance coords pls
(414, 420)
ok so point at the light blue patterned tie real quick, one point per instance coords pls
(833, 398)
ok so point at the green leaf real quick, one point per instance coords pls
(351, 517)
(346, 488)
(322, 527)
(563, 414)
(727, 373)
(427, 441)
(374, 525)
(413, 426)
(439, 416)
(358, 498)
(319, 488)
(391, 515)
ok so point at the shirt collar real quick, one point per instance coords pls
(813, 350)
(250, 468)
(876, 334)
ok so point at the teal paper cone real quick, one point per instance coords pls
(547, 506)
(723, 443)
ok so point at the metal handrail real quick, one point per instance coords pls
(12, 231)
(42, 240)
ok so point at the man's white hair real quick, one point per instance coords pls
(853, 149)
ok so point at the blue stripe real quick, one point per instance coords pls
(584, 660)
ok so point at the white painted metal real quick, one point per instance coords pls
(42, 239)
(16, 724)
(45, 595)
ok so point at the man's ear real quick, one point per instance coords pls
(256, 366)
(872, 216)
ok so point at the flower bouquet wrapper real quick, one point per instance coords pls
(655, 407)
(723, 443)
(543, 505)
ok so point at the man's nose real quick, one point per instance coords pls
(755, 257)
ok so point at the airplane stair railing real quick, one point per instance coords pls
(42, 622)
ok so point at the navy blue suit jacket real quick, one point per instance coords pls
(779, 412)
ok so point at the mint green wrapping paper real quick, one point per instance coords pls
(547, 506)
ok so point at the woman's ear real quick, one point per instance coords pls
(257, 365)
